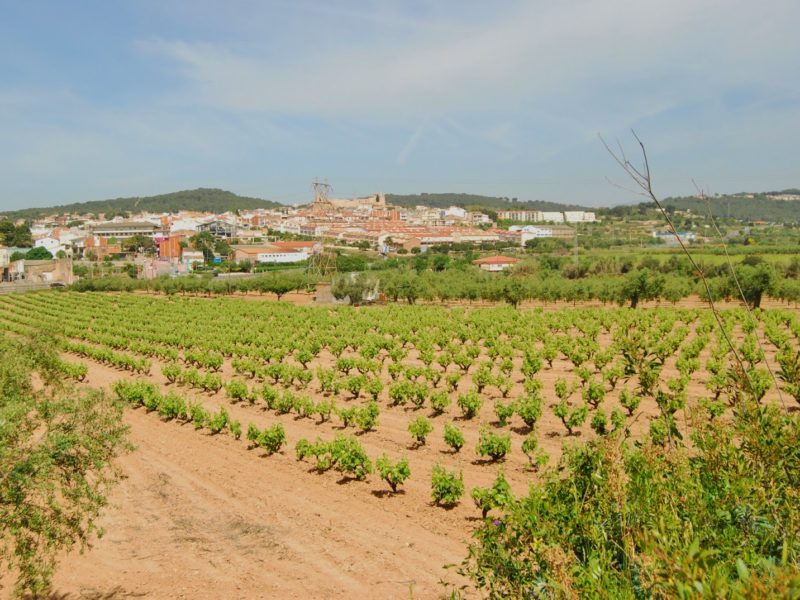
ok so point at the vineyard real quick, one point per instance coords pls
(447, 414)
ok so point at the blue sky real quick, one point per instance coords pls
(104, 99)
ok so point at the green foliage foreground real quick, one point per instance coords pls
(57, 447)
(719, 519)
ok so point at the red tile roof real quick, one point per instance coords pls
(496, 260)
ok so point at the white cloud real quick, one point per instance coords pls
(535, 56)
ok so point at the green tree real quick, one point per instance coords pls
(138, 243)
(356, 287)
(755, 281)
(642, 284)
(38, 253)
(204, 242)
(57, 453)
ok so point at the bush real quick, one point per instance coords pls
(453, 437)
(571, 418)
(349, 457)
(236, 390)
(497, 496)
(470, 403)
(323, 408)
(447, 487)
(537, 457)
(172, 371)
(218, 422)
(419, 429)
(439, 402)
(367, 416)
(629, 401)
(639, 520)
(272, 438)
(504, 412)
(173, 406)
(529, 408)
(395, 474)
(347, 415)
(493, 445)
(345, 454)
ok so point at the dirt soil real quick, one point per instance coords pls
(200, 516)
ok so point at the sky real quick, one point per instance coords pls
(104, 99)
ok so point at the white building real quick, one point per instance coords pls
(184, 225)
(551, 217)
(282, 257)
(52, 245)
(579, 216)
(454, 211)
(525, 216)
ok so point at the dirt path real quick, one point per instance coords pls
(200, 516)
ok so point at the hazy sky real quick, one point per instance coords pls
(103, 98)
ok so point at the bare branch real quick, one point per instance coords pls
(643, 179)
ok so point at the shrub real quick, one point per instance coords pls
(303, 449)
(529, 409)
(470, 403)
(599, 423)
(236, 429)
(440, 400)
(571, 418)
(347, 415)
(395, 474)
(629, 400)
(172, 371)
(212, 382)
(711, 522)
(594, 392)
(272, 438)
(493, 445)
(348, 457)
(355, 384)
(400, 392)
(270, 396)
(447, 487)
(367, 416)
(236, 390)
(252, 434)
(173, 406)
(218, 422)
(536, 456)
(497, 496)
(419, 429)
(504, 412)
(198, 415)
(453, 437)
(482, 378)
(374, 388)
(452, 380)
(323, 408)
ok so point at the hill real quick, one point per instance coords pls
(201, 199)
(741, 208)
(493, 203)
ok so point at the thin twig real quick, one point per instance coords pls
(644, 180)
(753, 320)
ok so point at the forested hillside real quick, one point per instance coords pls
(201, 199)
(742, 208)
(474, 200)
(739, 207)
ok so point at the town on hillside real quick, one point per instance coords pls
(180, 242)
